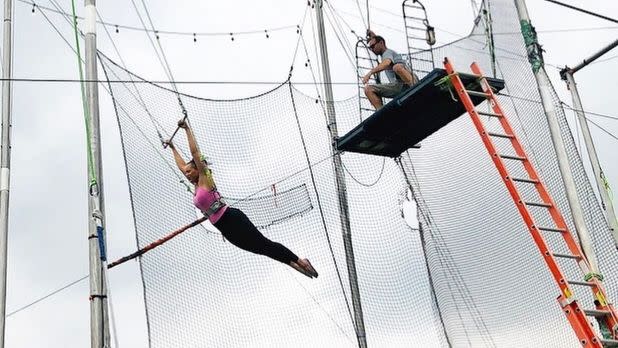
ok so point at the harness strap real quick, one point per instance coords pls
(214, 207)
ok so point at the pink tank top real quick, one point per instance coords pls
(203, 200)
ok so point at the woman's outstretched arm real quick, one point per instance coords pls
(180, 162)
(195, 152)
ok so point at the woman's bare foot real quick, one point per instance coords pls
(306, 265)
(300, 269)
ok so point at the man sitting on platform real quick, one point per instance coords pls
(396, 69)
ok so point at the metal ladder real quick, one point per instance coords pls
(365, 61)
(604, 313)
(420, 52)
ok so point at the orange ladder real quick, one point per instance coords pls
(604, 313)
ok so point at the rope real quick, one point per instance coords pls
(165, 64)
(317, 90)
(47, 296)
(336, 29)
(169, 32)
(112, 317)
(91, 171)
(315, 51)
(447, 261)
(429, 219)
(139, 98)
(582, 10)
(61, 80)
(421, 231)
(323, 310)
(368, 22)
(298, 31)
(365, 24)
(603, 129)
(361, 183)
(323, 219)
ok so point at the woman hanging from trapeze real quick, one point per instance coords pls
(234, 225)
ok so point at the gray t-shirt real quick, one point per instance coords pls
(395, 58)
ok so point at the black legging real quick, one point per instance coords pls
(240, 231)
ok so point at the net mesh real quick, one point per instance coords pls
(271, 156)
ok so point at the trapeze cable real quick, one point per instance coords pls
(166, 67)
(346, 46)
(319, 97)
(368, 21)
(299, 32)
(421, 233)
(317, 60)
(445, 255)
(366, 24)
(323, 310)
(156, 149)
(139, 95)
(583, 11)
(104, 87)
(323, 219)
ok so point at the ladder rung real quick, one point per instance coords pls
(517, 158)
(500, 135)
(596, 313)
(566, 256)
(538, 204)
(530, 181)
(551, 229)
(576, 282)
(364, 58)
(491, 114)
(365, 109)
(414, 28)
(416, 38)
(421, 59)
(478, 94)
(413, 6)
(609, 343)
(412, 17)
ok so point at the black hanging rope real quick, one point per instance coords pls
(583, 11)
(323, 219)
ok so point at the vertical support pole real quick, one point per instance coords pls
(536, 60)
(99, 322)
(5, 161)
(599, 177)
(340, 182)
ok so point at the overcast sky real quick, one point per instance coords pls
(47, 242)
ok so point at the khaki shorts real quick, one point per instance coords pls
(388, 90)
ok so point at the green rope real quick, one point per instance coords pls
(91, 171)
(444, 84)
(591, 275)
(606, 185)
(532, 45)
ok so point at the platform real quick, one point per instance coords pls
(411, 117)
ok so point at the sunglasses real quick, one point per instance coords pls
(374, 45)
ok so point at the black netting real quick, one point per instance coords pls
(271, 157)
